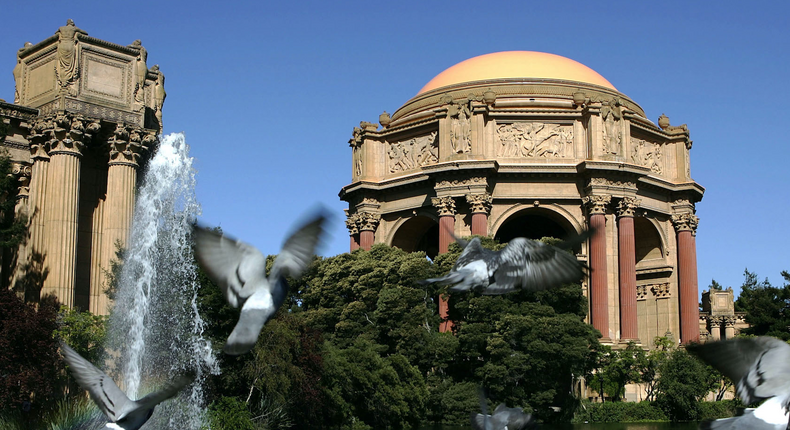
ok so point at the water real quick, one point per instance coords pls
(155, 326)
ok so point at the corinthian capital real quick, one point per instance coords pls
(444, 205)
(627, 206)
(685, 222)
(128, 144)
(352, 224)
(480, 203)
(369, 221)
(596, 204)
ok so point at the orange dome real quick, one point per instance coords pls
(516, 64)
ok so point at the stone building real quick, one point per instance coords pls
(718, 319)
(531, 144)
(86, 114)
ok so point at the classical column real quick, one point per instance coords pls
(481, 207)
(715, 327)
(34, 263)
(126, 147)
(352, 224)
(686, 227)
(22, 172)
(599, 286)
(63, 207)
(445, 206)
(369, 222)
(729, 327)
(626, 252)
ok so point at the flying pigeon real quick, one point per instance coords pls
(122, 412)
(504, 418)
(523, 263)
(760, 369)
(240, 270)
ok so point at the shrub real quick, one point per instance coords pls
(619, 412)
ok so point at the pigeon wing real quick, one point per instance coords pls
(169, 390)
(229, 263)
(473, 251)
(102, 389)
(532, 265)
(298, 249)
(759, 367)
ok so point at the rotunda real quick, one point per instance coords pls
(530, 144)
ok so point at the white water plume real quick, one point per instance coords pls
(155, 326)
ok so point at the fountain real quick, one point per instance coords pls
(155, 327)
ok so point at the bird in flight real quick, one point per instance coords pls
(122, 412)
(240, 271)
(760, 369)
(522, 264)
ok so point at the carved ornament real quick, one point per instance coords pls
(460, 128)
(474, 180)
(352, 224)
(716, 321)
(368, 221)
(685, 222)
(67, 68)
(660, 291)
(612, 183)
(413, 153)
(445, 206)
(611, 114)
(596, 204)
(479, 203)
(648, 154)
(641, 292)
(535, 140)
(23, 172)
(128, 144)
(627, 206)
(729, 321)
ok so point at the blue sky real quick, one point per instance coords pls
(268, 93)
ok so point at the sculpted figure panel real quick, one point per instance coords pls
(646, 154)
(413, 153)
(461, 130)
(66, 69)
(535, 140)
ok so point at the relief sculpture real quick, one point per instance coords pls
(534, 139)
(461, 130)
(413, 153)
(646, 154)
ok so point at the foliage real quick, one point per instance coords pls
(29, 362)
(648, 367)
(619, 412)
(618, 368)
(83, 331)
(719, 409)
(113, 274)
(767, 307)
(683, 383)
(229, 413)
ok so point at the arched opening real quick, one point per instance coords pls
(648, 241)
(420, 233)
(534, 223)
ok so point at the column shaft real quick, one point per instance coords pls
(480, 224)
(687, 276)
(366, 239)
(61, 225)
(354, 242)
(446, 229)
(627, 265)
(599, 288)
(116, 216)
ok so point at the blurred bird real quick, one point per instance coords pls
(122, 412)
(504, 418)
(240, 270)
(523, 263)
(760, 369)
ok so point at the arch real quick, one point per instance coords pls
(418, 233)
(534, 223)
(649, 243)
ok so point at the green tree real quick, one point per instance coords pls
(648, 366)
(83, 331)
(767, 307)
(684, 381)
(618, 368)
